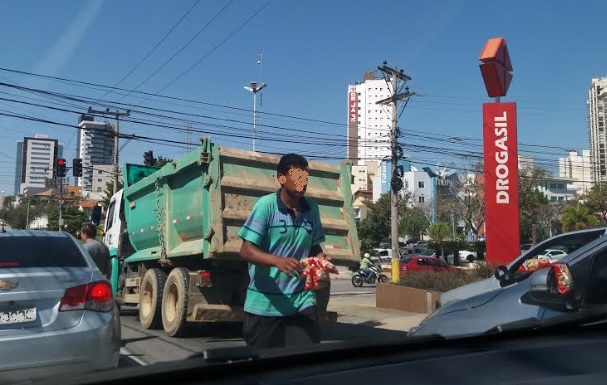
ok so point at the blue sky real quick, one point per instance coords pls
(312, 50)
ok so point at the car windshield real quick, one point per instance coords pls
(39, 252)
(221, 169)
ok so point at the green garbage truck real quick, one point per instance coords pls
(173, 232)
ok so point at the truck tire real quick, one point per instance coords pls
(150, 298)
(175, 302)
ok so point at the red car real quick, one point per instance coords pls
(418, 263)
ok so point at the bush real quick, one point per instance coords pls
(443, 281)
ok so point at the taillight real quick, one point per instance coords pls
(205, 278)
(96, 296)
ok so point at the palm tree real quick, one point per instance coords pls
(439, 233)
(414, 223)
(578, 217)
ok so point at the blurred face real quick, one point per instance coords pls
(295, 183)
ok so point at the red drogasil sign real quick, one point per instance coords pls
(501, 182)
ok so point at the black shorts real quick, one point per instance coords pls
(262, 332)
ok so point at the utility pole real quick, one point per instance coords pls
(396, 185)
(117, 115)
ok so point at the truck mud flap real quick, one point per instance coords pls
(216, 313)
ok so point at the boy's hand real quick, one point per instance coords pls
(289, 266)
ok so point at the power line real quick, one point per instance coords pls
(151, 51)
(215, 48)
(180, 50)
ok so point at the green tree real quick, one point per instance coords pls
(467, 203)
(109, 191)
(596, 199)
(532, 203)
(16, 216)
(414, 222)
(439, 233)
(577, 217)
(376, 225)
(72, 218)
(161, 161)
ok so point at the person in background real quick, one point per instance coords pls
(97, 250)
(365, 265)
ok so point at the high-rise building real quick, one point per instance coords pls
(578, 168)
(597, 108)
(35, 161)
(369, 123)
(95, 147)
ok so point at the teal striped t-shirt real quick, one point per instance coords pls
(271, 227)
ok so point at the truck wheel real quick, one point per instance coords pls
(175, 302)
(150, 298)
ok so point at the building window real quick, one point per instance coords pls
(421, 185)
(420, 199)
(98, 189)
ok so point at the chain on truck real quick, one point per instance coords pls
(172, 232)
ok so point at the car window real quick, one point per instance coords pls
(27, 252)
(405, 260)
(440, 263)
(596, 292)
(567, 243)
(422, 262)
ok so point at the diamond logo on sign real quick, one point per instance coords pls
(496, 68)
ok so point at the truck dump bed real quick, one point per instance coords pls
(196, 205)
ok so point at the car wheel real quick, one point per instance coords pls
(470, 258)
(175, 302)
(150, 298)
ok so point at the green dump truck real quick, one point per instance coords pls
(172, 232)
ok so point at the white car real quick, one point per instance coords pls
(552, 255)
(467, 256)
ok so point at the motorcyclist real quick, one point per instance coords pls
(365, 265)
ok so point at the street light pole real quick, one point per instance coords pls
(254, 89)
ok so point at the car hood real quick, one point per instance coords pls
(467, 291)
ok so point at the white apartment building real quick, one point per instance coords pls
(361, 178)
(577, 168)
(597, 104)
(420, 186)
(368, 123)
(95, 148)
(525, 162)
(102, 175)
(35, 161)
(556, 190)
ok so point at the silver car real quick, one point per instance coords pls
(57, 312)
(569, 241)
(574, 291)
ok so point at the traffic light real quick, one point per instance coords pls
(77, 167)
(60, 168)
(148, 158)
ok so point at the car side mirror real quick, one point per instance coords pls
(551, 287)
(501, 273)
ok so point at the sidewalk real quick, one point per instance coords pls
(360, 310)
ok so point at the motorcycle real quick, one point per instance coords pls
(359, 277)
